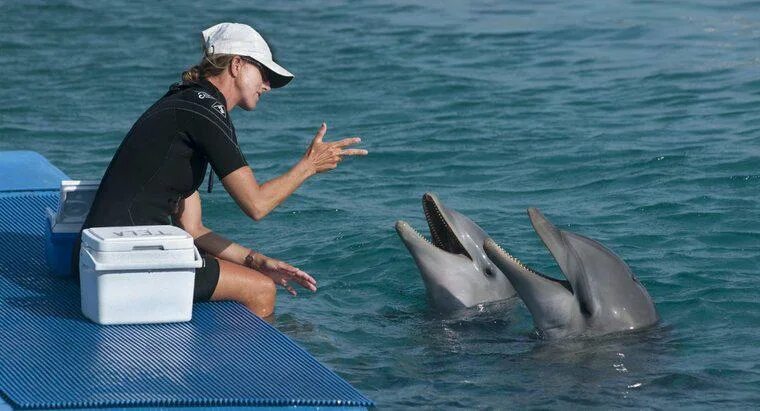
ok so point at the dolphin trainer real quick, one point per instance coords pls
(601, 295)
(456, 272)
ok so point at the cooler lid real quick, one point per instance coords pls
(136, 238)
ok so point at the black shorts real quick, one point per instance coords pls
(206, 278)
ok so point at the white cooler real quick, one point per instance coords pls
(137, 275)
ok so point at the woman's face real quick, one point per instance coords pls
(251, 82)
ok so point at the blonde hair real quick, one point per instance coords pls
(210, 66)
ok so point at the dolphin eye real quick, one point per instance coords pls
(489, 272)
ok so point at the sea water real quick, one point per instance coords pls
(632, 122)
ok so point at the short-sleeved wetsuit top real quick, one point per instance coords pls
(163, 158)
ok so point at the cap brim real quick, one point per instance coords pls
(278, 76)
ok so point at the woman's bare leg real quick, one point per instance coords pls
(242, 284)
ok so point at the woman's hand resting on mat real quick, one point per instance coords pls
(281, 272)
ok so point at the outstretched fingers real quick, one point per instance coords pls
(288, 287)
(305, 281)
(353, 152)
(339, 145)
(299, 276)
(346, 142)
(321, 133)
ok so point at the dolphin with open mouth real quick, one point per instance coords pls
(601, 295)
(455, 269)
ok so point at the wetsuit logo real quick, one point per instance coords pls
(220, 108)
(202, 95)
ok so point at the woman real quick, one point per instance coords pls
(155, 174)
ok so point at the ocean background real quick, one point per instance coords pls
(632, 122)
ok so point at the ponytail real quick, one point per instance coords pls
(210, 66)
(192, 74)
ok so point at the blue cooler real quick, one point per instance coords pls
(63, 225)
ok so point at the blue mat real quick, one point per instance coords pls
(53, 357)
(26, 171)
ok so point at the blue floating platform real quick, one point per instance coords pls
(54, 358)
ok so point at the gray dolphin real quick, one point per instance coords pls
(601, 294)
(456, 272)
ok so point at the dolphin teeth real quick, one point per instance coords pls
(418, 234)
(446, 241)
(433, 232)
(515, 260)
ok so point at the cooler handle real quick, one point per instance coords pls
(197, 263)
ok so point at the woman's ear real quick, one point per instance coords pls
(236, 66)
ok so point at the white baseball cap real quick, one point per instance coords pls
(243, 40)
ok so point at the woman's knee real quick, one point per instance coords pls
(259, 294)
(264, 292)
(251, 288)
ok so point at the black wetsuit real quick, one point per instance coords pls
(163, 160)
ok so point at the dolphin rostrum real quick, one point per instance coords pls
(456, 272)
(601, 295)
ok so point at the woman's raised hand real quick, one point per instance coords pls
(323, 156)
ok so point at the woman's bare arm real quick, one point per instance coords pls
(259, 200)
(189, 218)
